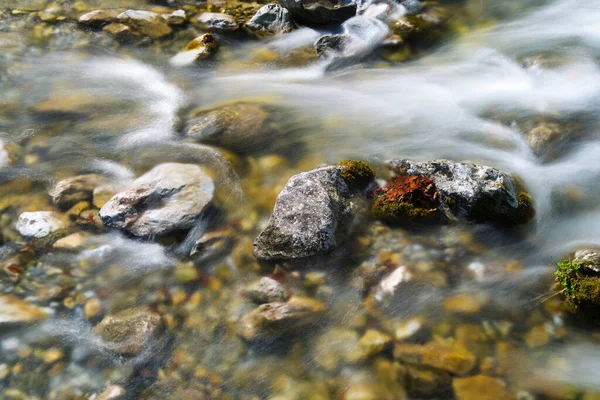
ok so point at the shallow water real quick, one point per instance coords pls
(468, 99)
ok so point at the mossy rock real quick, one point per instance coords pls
(357, 174)
(580, 287)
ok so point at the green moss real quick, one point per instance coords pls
(396, 212)
(525, 212)
(358, 174)
(581, 291)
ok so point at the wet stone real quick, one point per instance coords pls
(266, 290)
(412, 6)
(218, 22)
(479, 387)
(374, 342)
(273, 320)
(589, 260)
(314, 213)
(120, 32)
(201, 48)
(147, 22)
(169, 197)
(271, 19)
(128, 332)
(99, 18)
(16, 311)
(70, 191)
(39, 224)
(319, 12)
(73, 241)
(335, 348)
(113, 392)
(453, 360)
(177, 17)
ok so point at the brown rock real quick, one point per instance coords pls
(128, 332)
(92, 308)
(78, 188)
(479, 387)
(266, 290)
(374, 342)
(98, 18)
(16, 311)
(454, 360)
(147, 22)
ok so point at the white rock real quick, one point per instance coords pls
(39, 223)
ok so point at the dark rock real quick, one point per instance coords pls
(328, 44)
(271, 19)
(471, 192)
(316, 211)
(169, 197)
(266, 290)
(128, 332)
(319, 12)
(219, 22)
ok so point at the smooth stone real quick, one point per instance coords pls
(271, 19)
(456, 361)
(98, 18)
(314, 213)
(146, 22)
(220, 22)
(266, 290)
(336, 348)
(14, 311)
(119, 31)
(39, 224)
(8, 154)
(71, 191)
(73, 241)
(177, 17)
(128, 332)
(273, 320)
(171, 196)
(319, 12)
(112, 392)
(201, 48)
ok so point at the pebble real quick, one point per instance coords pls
(374, 342)
(39, 224)
(92, 308)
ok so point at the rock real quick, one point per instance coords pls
(374, 342)
(266, 290)
(128, 332)
(315, 212)
(92, 308)
(330, 44)
(538, 336)
(465, 303)
(336, 348)
(112, 392)
(456, 361)
(319, 12)
(271, 19)
(218, 22)
(241, 127)
(73, 241)
(369, 391)
(201, 48)
(169, 197)
(120, 32)
(99, 18)
(177, 17)
(146, 22)
(544, 134)
(589, 260)
(15, 311)
(465, 192)
(273, 320)
(412, 7)
(479, 387)
(39, 224)
(580, 285)
(404, 330)
(426, 382)
(70, 191)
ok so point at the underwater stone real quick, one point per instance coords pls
(98, 18)
(266, 290)
(412, 6)
(16, 311)
(314, 213)
(169, 197)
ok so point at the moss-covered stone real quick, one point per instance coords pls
(357, 174)
(581, 288)
(525, 211)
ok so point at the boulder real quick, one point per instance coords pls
(266, 290)
(146, 22)
(200, 49)
(319, 12)
(273, 320)
(460, 191)
(218, 22)
(39, 224)
(241, 127)
(271, 19)
(70, 191)
(315, 212)
(15, 311)
(99, 18)
(167, 198)
(128, 332)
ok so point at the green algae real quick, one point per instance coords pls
(581, 290)
(395, 212)
(357, 174)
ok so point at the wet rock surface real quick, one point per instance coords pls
(147, 22)
(266, 290)
(271, 19)
(169, 197)
(201, 48)
(315, 212)
(320, 12)
(470, 192)
(70, 191)
(14, 311)
(219, 22)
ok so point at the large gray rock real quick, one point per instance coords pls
(471, 192)
(271, 19)
(319, 12)
(169, 197)
(315, 212)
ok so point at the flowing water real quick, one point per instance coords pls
(118, 111)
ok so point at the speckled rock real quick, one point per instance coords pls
(471, 192)
(201, 48)
(78, 188)
(314, 213)
(273, 320)
(128, 332)
(39, 224)
(169, 197)
(271, 19)
(319, 12)
(589, 260)
(147, 22)
(218, 22)
(16, 311)
(266, 290)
